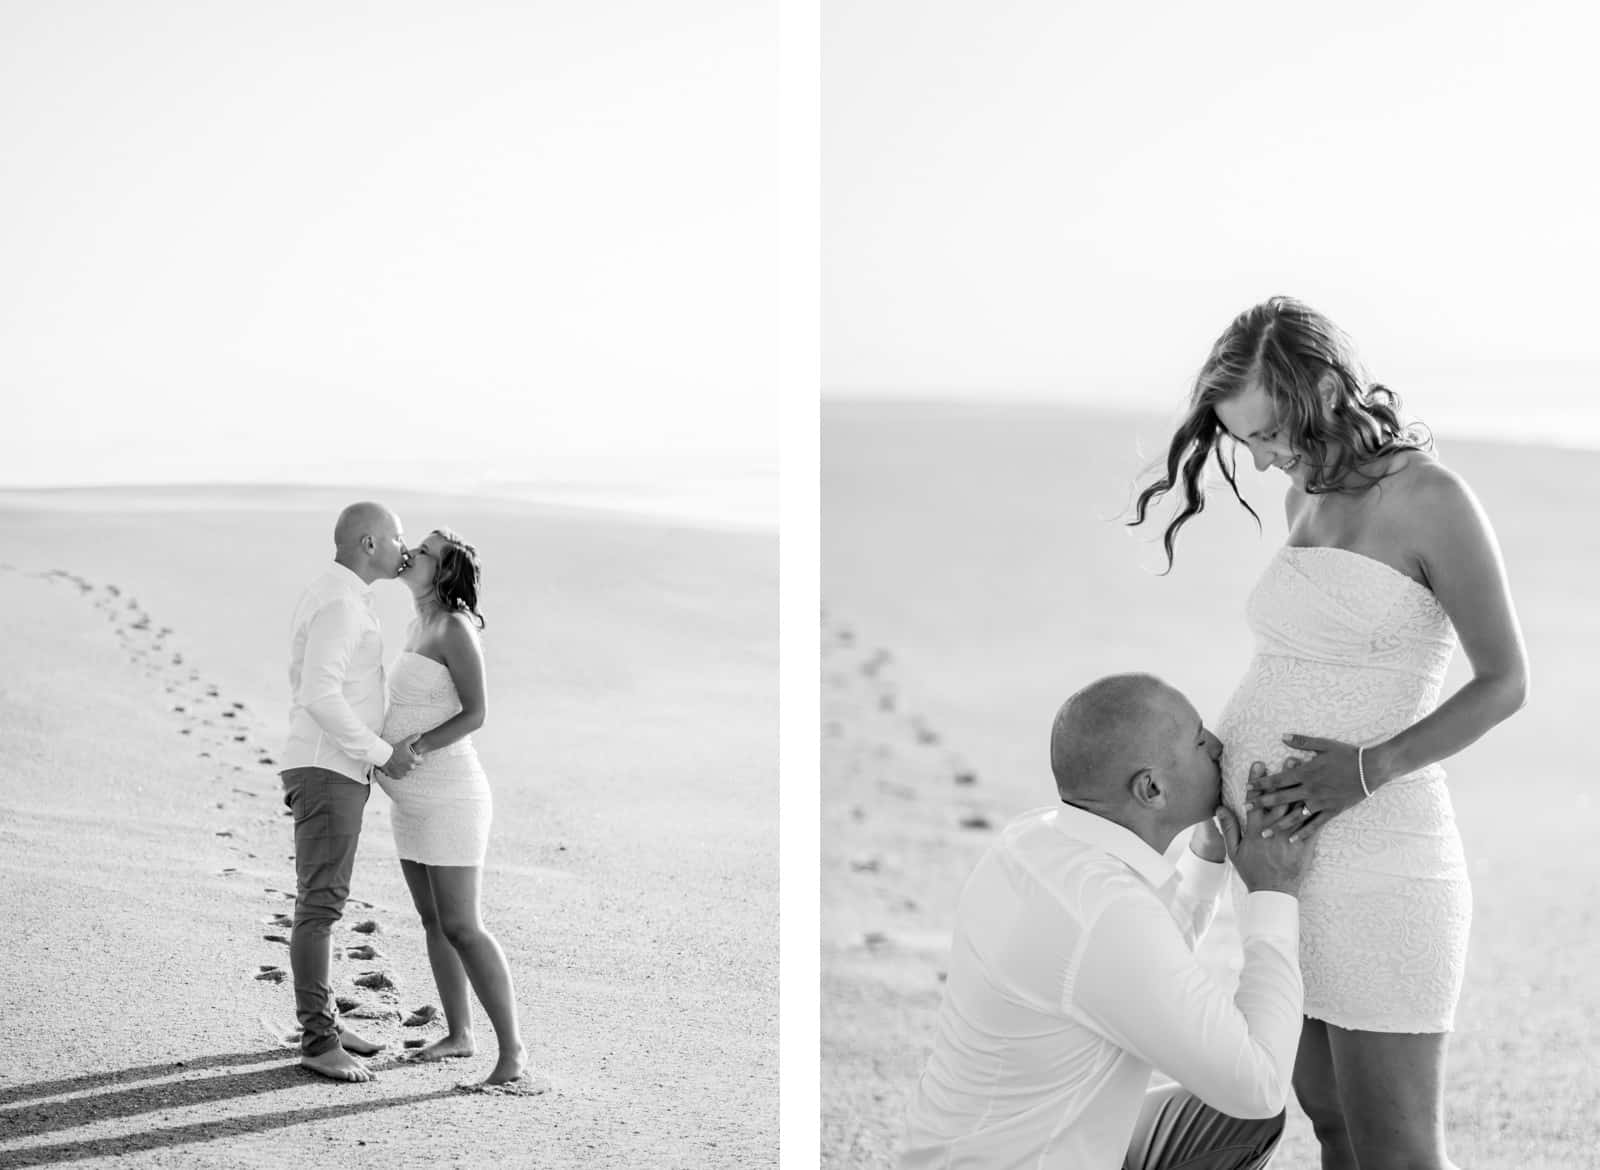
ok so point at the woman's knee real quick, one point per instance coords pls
(463, 932)
(1394, 1143)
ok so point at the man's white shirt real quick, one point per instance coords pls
(1072, 976)
(336, 677)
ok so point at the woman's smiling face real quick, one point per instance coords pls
(424, 563)
(1251, 418)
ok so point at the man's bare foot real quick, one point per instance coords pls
(509, 1067)
(360, 1045)
(445, 1048)
(337, 1064)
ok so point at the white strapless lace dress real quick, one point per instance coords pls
(442, 807)
(1348, 648)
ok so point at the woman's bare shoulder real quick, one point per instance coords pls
(1430, 499)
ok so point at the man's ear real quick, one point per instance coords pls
(1148, 789)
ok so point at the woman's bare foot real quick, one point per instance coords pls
(445, 1048)
(511, 1065)
(361, 1046)
(337, 1064)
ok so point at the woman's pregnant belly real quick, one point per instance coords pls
(1281, 696)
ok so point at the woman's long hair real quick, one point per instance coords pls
(1334, 417)
(455, 578)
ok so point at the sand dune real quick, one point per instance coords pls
(145, 855)
(975, 554)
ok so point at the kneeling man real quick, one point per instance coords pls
(1072, 970)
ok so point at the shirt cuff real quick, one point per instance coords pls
(1198, 878)
(1271, 914)
(380, 755)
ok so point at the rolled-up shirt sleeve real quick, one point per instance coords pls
(1137, 982)
(331, 640)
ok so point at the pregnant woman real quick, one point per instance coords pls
(1389, 559)
(442, 806)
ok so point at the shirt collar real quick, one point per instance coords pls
(1123, 844)
(349, 579)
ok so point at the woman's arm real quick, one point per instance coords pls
(1461, 558)
(463, 657)
(1456, 548)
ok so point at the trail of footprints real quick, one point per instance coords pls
(868, 734)
(234, 741)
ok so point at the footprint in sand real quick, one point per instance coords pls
(272, 974)
(364, 952)
(277, 938)
(527, 1085)
(976, 821)
(367, 927)
(374, 981)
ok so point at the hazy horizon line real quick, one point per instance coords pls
(664, 508)
(1569, 430)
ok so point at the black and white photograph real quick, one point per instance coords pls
(1208, 638)
(389, 513)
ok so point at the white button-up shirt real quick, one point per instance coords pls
(1072, 976)
(336, 678)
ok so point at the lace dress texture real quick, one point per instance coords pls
(1349, 648)
(442, 807)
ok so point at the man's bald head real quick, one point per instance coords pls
(1111, 729)
(364, 518)
(367, 540)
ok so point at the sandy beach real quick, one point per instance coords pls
(145, 855)
(975, 573)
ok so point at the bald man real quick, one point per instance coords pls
(1072, 972)
(336, 677)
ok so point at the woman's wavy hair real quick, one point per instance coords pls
(1332, 414)
(456, 577)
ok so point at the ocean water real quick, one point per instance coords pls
(1538, 403)
(734, 492)
(740, 495)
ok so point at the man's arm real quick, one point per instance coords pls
(331, 640)
(1202, 872)
(1138, 984)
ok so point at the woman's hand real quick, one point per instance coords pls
(1323, 786)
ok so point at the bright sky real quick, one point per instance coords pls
(399, 239)
(1043, 194)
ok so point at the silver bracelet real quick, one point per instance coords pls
(1361, 772)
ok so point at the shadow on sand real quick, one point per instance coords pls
(31, 1121)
